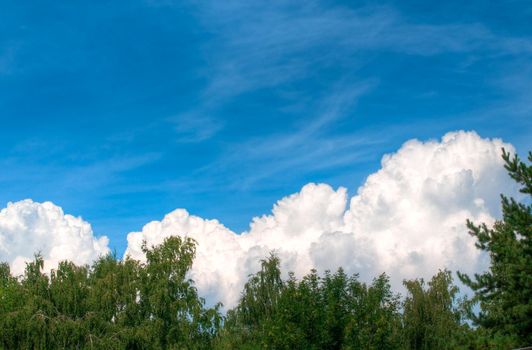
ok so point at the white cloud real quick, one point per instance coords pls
(27, 227)
(408, 219)
(414, 209)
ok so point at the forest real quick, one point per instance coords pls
(126, 304)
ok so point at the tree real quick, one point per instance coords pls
(112, 305)
(375, 321)
(168, 300)
(433, 316)
(505, 290)
(335, 311)
(254, 322)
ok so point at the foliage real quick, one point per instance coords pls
(130, 305)
(433, 316)
(337, 311)
(112, 305)
(504, 292)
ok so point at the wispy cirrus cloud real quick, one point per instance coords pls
(309, 145)
(269, 44)
(279, 47)
(193, 127)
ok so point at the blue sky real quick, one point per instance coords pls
(123, 111)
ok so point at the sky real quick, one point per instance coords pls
(120, 112)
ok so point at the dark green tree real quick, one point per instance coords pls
(505, 290)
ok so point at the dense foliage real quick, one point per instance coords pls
(111, 305)
(126, 304)
(337, 311)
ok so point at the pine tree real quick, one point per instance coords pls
(505, 290)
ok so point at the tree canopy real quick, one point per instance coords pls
(111, 305)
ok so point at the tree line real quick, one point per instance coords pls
(126, 304)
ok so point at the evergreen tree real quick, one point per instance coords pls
(505, 290)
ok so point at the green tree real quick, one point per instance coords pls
(253, 323)
(170, 301)
(375, 321)
(433, 316)
(335, 311)
(111, 305)
(505, 290)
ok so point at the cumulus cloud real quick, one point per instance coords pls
(413, 210)
(27, 227)
(407, 219)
